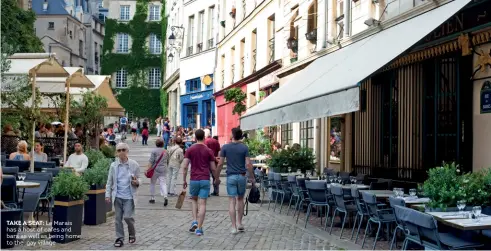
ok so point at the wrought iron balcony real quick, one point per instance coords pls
(223, 78)
(210, 43)
(242, 64)
(232, 76)
(254, 54)
(311, 35)
(271, 50)
(199, 47)
(189, 51)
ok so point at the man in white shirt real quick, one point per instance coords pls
(78, 160)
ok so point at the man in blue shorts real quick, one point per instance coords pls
(238, 163)
(202, 161)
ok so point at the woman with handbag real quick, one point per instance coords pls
(157, 170)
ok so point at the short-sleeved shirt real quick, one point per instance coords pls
(213, 145)
(200, 157)
(235, 153)
(166, 125)
(123, 120)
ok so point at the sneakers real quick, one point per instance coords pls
(194, 226)
(152, 200)
(234, 231)
(241, 228)
(199, 232)
(165, 202)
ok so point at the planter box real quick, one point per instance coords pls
(10, 226)
(95, 207)
(67, 220)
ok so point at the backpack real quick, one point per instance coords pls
(253, 197)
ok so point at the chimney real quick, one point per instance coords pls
(45, 5)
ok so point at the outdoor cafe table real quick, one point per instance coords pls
(359, 186)
(457, 220)
(381, 193)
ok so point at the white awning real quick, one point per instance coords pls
(329, 85)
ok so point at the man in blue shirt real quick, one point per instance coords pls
(166, 132)
(238, 163)
(122, 124)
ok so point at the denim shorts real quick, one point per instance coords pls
(199, 188)
(236, 185)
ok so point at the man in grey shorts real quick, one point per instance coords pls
(122, 183)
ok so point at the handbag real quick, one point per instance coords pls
(253, 197)
(149, 172)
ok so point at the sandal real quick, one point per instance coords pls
(119, 242)
(132, 239)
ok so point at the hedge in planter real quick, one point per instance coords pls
(95, 206)
(105, 164)
(94, 156)
(69, 192)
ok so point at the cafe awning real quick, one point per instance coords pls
(329, 85)
(103, 88)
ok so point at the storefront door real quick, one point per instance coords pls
(190, 115)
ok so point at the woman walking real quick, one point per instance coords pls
(158, 160)
(145, 135)
(176, 156)
(134, 127)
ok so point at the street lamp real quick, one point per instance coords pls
(172, 39)
(170, 57)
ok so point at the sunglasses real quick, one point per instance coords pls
(121, 150)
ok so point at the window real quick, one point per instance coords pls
(122, 43)
(193, 85)
(340, 18)
(121, 79)
(307, 134)
(191, 31)
(286, 134)
(124, 13)
(80, 48)
(312, 18)
(154, 78)
(211, 26)
(100, 52)
(155, 44)
(201, 26)
(96, 54)
(154, 13)
(100, 4)
(335, 139)
(51, 25)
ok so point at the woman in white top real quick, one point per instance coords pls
(134, 127)
(38, 154)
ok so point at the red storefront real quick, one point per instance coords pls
(225, 120)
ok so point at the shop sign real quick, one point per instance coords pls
(486, 97)
(197, 96)
(468, 18)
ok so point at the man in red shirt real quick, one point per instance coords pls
(202, 162)
(215, 148)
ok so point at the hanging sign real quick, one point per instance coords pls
(486, 97)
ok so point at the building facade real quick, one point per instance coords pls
(391, 88)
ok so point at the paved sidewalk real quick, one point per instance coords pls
(160, 227)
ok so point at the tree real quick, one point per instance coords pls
(89, 111)
(18, 28)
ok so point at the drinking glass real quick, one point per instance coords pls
(477, 212)
(461, 205)
(401, 192)
(340, 179)
(352, 179)
(396, 193)
(412, 192)
(331, 179)
(289, 170)
(22, 176)
(299, 172)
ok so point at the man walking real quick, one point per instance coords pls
(78, 160)
(237, 156)
(122, 124)
(166, 132)
(215, 148)
(176, 155)
(202, 161)
(157, 125)
(122, 183)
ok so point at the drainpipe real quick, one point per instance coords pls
(346, 21)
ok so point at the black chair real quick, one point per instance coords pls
(30, 203)
(361, 178)
(9, 230)
(9, 192)
(379, 186)
(329, 172)
(389, 182)
(278, 188)
(55, 159)
(45, 181)
(38, 166)
(361, 211)
(22, 164)
(304, 196)
(317, 192)
(423, 230)
(399, 202)
(287, 192)
(292, 180)
(342, 205)
(54, 171)
(271, 185)
(11, 170)
(3, 159)
(377, 216)
(344, 177)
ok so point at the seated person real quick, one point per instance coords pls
(21, 153)
(78, 160)
(38, 154)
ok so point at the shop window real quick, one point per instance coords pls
(307, 134)
(335, 139)
(193, 85)
(286, 134)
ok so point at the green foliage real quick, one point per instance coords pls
(303, 159)
(104, 163)
(259, 145)
(445, 186)
(69, 184)
(96, 175)
(94, 156)
(141, 101)
(237, 96)
(18, 28)
(108, 151)
(164, 102)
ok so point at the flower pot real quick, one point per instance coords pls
(10, 226)
(67, 219)
(95, 207)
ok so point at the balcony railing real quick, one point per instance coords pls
(254, 54)
(244, 9)
(223, 78)
(242, 64)
(232, 75)
(210, 43)
(189, 51)
(199, 47)
(271, 50)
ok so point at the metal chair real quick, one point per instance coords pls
(361, 178)
(9, 192)
(271, 185)
(38, 165)
(318, 195)
(399, 202)
(423, 229)
(361, 211)
(278, 189)
(11, 170)
(379, 186)
(304, 196)
(377, 216)
(264, 185)
(30, 204)
(53, 171)
(342, 206)
(292, 181)
(45, 180)
(22, 164)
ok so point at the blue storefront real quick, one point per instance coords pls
(197, 105)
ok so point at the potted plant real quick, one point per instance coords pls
(105, 163)
(311, 35)
(95, 207)
(93, 156)
(292, 43)
(69, 192)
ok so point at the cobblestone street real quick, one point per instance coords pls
(160, 227)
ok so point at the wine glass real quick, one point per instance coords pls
(401, 192)
(289, 169)
(299, 172)
(461, 205)
(412, 192)
(477, 212)
(340, 179)
(352, 179)
(394, 190)
(331, 179)
(22, 176)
